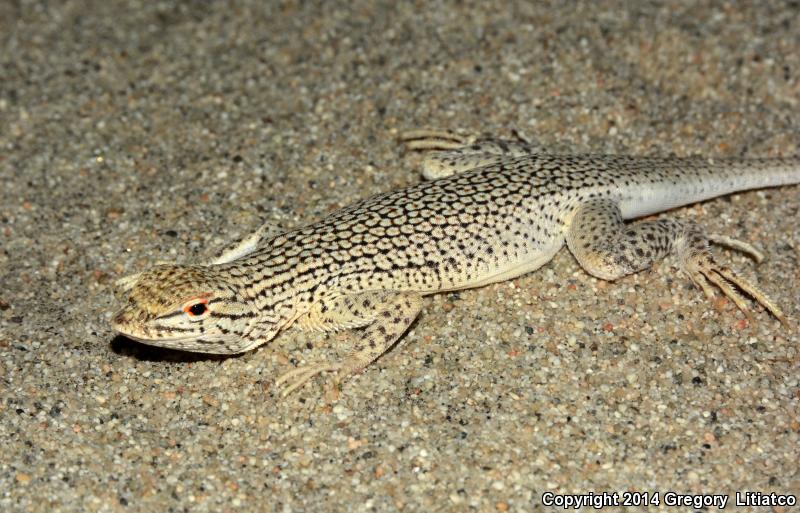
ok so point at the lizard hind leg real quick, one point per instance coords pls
(444, 164)
(608, 248)
(381, 317)
(430, 139)
(452, 153)
(444, 140)
(698, 263)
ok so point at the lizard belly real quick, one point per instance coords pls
(505, 271)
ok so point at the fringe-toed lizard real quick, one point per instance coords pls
(492, 210)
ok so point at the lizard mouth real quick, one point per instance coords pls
(182, 342)
(155, 341)
(150, 339)
(133, 325)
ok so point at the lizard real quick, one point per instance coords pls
(490, 210)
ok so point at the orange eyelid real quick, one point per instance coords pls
(202, 300)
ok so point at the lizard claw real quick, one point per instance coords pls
(298, 377)
(704, 272)
(427, 139)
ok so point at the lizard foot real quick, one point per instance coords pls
(298, 377)
(451, 153)
(426, 139)
(124, 285)
(705, 272)
(447, 140)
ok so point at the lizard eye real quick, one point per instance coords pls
(196, 307)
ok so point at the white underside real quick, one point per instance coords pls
(507, 272)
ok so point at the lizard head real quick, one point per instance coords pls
(192, 308)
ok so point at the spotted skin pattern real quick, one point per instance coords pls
(492, 210)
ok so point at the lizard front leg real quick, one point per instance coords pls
(379, 318)
(233, 251)
(246, 244)
(608, 248)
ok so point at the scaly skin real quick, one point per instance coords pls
(493, 210)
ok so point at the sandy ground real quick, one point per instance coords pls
(142, 131)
